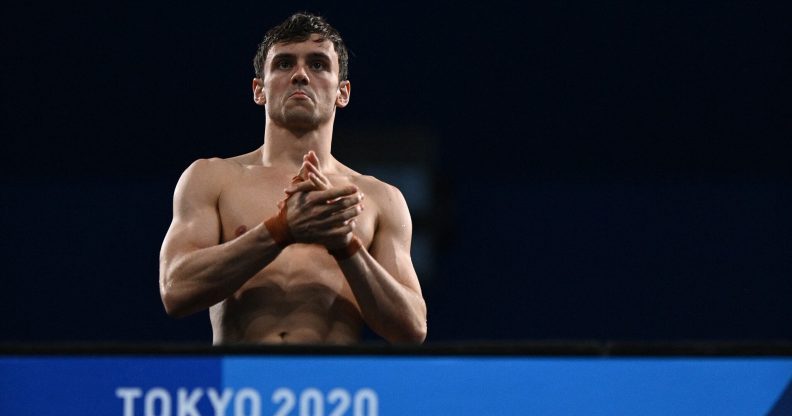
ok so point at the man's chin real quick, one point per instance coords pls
(299, 122)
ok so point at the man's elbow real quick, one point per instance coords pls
(172, 297)
(418, 335)
(173, 306)
(413, 334)
(417, 328)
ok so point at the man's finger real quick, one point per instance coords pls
(345, 229)
(345, 210)
(341, 229)
(311, 163)
(348, 213)
(318, 184)
(338, 219)
(340, 204)
(324, 196)
(303, 173)
(311, 156)
(302, 186)
(325, 183)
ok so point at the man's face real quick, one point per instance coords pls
(300, 88)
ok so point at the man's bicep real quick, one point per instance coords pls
(391, 243)
(199, 230)
(195, 222)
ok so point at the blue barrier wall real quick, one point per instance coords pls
(392, 385)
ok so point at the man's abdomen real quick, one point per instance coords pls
(273, 308)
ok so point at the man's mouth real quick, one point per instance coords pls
(299, 94)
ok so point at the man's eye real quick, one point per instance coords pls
(283, 65)
(317, 65)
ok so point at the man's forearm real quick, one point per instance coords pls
(390, 309)
(204, 277)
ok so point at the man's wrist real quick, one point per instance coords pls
(347, 251)
(278, 228)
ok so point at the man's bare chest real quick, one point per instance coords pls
(252, 198)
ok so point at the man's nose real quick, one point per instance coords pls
(300, 75)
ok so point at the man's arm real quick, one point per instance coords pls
(196, 271)
(383, 279)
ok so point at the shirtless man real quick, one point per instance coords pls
(276, 242)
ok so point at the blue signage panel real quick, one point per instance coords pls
(62, 386)
(512, 386)
(391, 385)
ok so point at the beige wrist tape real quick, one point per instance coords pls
(348, 251)
(279, 228)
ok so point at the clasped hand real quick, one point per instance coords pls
(319, 213)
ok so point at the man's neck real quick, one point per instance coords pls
(285, 147)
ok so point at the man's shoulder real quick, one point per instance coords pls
(215, 164)
(388, 202)
(210, 175)
(220, 167)
(382, 192)
(368, 182)
(209, 164)
(208, 170)
(245, 160)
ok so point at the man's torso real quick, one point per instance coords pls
(302, 296)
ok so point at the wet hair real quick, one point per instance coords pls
(298, 28)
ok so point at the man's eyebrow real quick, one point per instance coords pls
(312, 55)
(282, 55)
(321, 55)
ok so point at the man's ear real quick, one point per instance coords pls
(344, 91)
(258, 92)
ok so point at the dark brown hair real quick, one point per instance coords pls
(298, 28)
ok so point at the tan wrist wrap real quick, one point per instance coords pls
(279, 228)
(348, 251)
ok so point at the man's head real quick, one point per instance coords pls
(301, 74)
(298, 28)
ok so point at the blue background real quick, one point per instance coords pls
(413, 385)
(87, 386)
(524, 386)
(595, 171)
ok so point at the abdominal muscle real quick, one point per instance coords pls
(300, 298)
